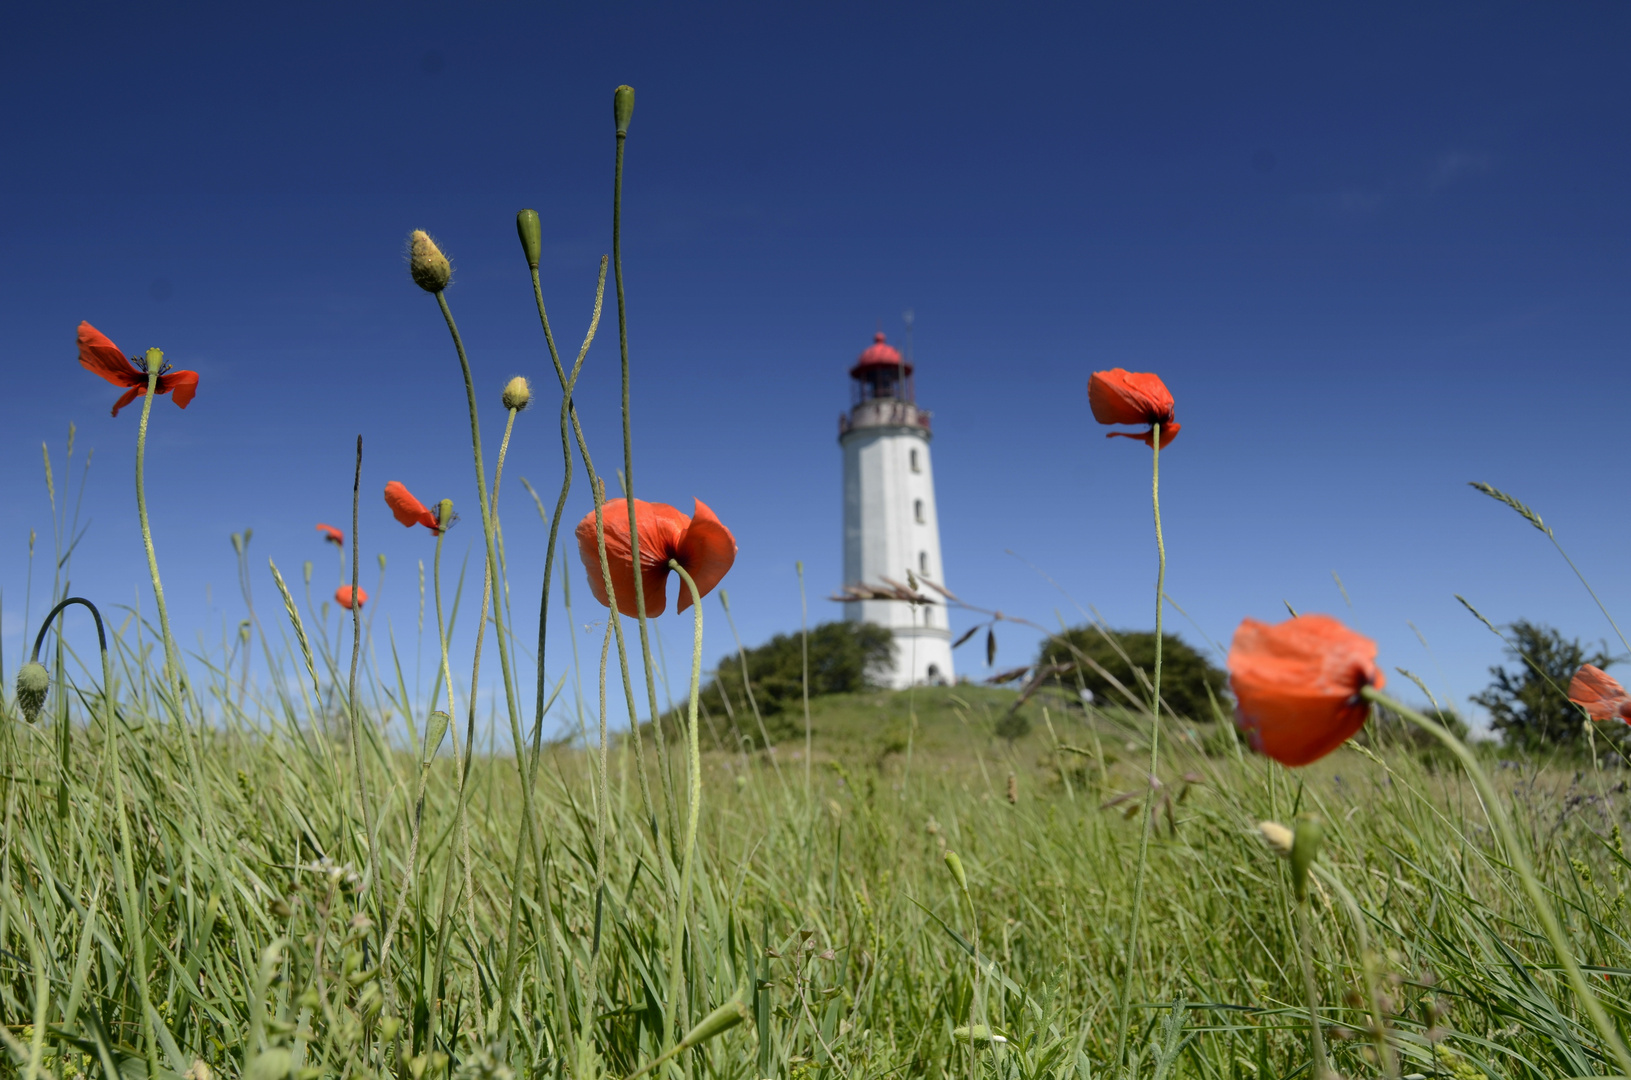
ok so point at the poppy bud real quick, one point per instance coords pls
(623, 108)
(517, 393)
(32, 683)
(532, 236)
(955, 865)
(1278, 837)
(1309, 834)
(429, 267)
(716, 1023)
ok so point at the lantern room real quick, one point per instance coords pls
(881, 373)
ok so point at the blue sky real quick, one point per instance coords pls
(1376, 251)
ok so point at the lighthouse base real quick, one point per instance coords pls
(922, 658)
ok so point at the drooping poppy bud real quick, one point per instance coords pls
(517, 394)
(532, 236)
(33, 683)
(430, 269)
(623, 108)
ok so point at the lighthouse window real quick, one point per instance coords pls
(917, 510)
(923, 563)
(911, 456)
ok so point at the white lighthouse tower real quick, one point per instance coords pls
(890, 527)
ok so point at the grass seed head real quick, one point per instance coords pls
(517, 394)
(430, 269)
(33, 682)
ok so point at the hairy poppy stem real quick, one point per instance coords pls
(487, 535)
(693, 812)
(172, 662)
(1311, 990)
(663, 774)
(1155, 756)
(568, 419)
(1519, 857)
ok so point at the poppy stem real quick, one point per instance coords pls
(1155, 758)
(693, 798)
(172, 662)
(663, 773)
(568, 418)
(1305, 951)
(492, 548)
(1519, 857)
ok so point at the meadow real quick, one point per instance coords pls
(309, 870)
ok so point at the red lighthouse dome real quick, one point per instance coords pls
(879, 354)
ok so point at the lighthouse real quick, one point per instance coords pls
(891, 531)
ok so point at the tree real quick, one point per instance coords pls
(1529, 704)
(844, 657)
(1186, 675)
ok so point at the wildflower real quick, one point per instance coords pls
(1597, 692)
(331, 534)
(1297, 685)
(1118, 396)
(701, 544)
(517, 393)
(99, 355)
(407, 509)
(428, 266)
(342, 596)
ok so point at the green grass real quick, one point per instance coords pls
(248, 912)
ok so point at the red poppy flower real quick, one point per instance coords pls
(1596, 691)
(1297, 685)
(407, 509)
(98, 354)
(1118, 396)
(331, 534)
(701, 544)
(342, 596)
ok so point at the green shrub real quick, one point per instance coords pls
(1186, 675)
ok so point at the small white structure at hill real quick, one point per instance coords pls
(891, 533)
